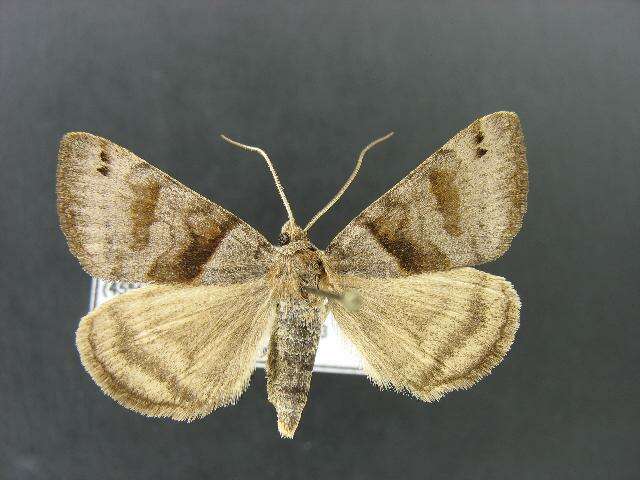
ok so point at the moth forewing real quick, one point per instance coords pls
(460, 207)
(126, 220)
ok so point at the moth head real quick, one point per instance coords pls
(290, 231)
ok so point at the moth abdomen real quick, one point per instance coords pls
(292, 352)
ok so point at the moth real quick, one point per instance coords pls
(398, 278)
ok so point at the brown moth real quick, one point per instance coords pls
(397, 278)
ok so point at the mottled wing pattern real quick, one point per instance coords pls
(460, 207)
(176, 351)
(431, 333)
(126, 220)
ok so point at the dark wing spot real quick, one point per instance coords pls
(447, 196)
(412, 257)
(479, 137)
(104, 156)
(480, 152)
(189, 263)
(143, 211)
(202, 247)
(104, 170)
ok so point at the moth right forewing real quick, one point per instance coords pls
(460, 207)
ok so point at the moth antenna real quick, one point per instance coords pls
(271, 169)
(349, 180)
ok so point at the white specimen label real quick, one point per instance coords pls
(335, 353)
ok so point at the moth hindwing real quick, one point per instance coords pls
(398, 278)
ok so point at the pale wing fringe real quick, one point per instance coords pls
(176, 352)
(433, 333)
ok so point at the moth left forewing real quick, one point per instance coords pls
(126, 220)
(177, 351)
(431, 333)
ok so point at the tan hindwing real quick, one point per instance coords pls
(431, 333)
(126, 220)
(460, 207)
(176, 352)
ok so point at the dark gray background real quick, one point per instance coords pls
(312, 82)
